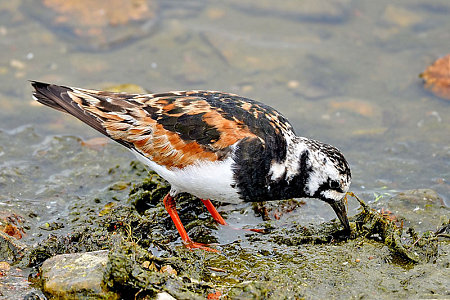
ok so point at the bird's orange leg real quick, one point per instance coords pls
(213, 211)
(215, 214)
(169, 204)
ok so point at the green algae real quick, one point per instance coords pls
(127, 271)
(405, 243)
(291, 261)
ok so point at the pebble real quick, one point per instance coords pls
(4, 266)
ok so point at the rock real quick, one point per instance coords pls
(71, 276)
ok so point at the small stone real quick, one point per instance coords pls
(146, 264)
(168, 269)
(4, 266)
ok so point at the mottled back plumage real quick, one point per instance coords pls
(173, 129)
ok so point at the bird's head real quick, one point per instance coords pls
(329, 178)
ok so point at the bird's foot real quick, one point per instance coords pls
(194, 245)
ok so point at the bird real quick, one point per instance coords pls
(212, 145)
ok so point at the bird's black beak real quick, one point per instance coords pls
(339, 208)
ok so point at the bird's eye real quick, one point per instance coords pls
(334, 185)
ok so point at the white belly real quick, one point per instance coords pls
(209, 180)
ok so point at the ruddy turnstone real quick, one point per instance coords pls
(212, 145)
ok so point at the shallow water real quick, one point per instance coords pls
(343, 72)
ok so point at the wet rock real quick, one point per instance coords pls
(72, 276)
(96, 143)
(118, 186)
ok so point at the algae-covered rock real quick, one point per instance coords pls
(403, 242)
(130, 267)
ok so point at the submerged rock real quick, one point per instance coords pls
(97, 24)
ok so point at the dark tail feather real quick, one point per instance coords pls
(43, 96)
(56, 96)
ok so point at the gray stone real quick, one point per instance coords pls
(76, 276)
